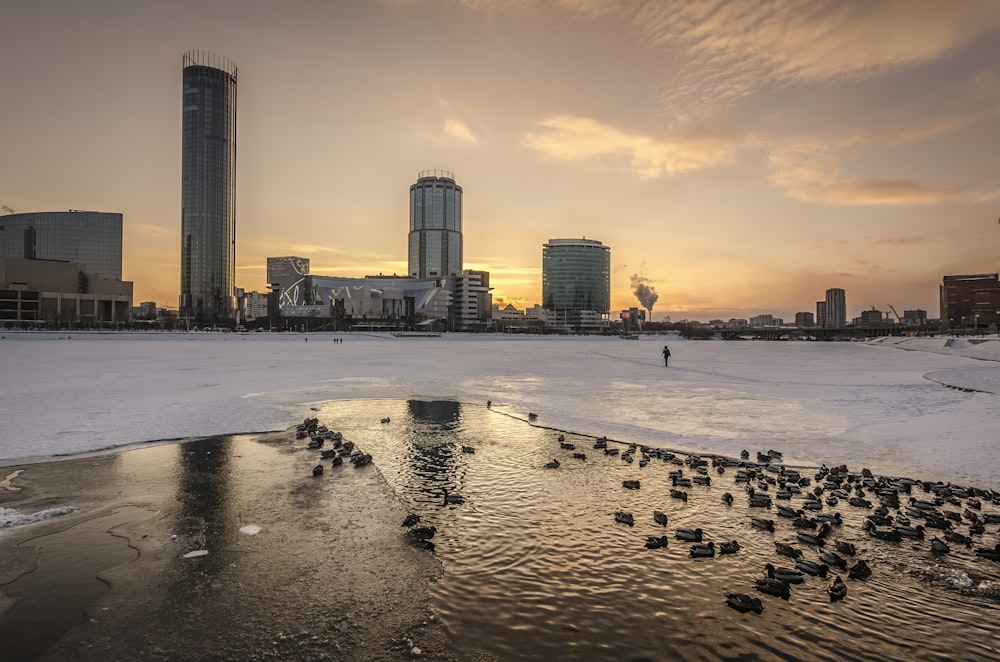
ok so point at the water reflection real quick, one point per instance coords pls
(536, 566)
(434, 461)
(205, 491)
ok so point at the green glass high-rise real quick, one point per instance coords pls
(576, 283)
(208, 189)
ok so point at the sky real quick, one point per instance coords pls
(868, 405)
(739, 158)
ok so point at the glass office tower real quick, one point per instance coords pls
(435, 226)
(576, 283)
(92, 238)
(836, 308)
(208, 188)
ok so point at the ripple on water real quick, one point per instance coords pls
(536, 566)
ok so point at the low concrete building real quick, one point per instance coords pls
(52, 293)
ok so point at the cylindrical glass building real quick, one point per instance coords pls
(208, 188)
(435, 226)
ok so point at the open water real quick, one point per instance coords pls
(533, 564)
(536, 567)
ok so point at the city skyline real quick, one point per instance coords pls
(739, 158)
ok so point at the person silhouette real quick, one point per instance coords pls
(666, 356)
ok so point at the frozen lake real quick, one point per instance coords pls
(928, 412)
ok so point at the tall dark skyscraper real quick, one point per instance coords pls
(208, 188)
(435, 226)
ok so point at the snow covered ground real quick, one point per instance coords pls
(927, 408)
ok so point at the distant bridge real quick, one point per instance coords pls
(809, 332)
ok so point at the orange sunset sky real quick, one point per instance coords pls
(741, 157)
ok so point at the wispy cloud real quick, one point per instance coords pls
(729, 50)
(573, 138)
(147, 230)
(811, 170)
(457, 129)
(908, 240)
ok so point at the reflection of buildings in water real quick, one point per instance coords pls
(435, 458)
(205, 493)
(442, 412)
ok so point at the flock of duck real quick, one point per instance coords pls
(331, 446)
(895, 509)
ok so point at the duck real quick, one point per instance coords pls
(833, 520)
(958, 538)
(837, 590)
(729, 547)
(784, 574)
(811, 567)
(689, 535)
(910, 531)
(775, 587)
(452, 499)
(336, 461)
(630, 484)
(760, 501)
(859, 570)
(993, 554)
(532, 416)
(679, 494)
(386, 420)
(679, 481)
(727, 499)
(832, 559)
(624, 518)
(762, 524)
(580, 456)
(411, 519)
(468, 449)
(891, 535)
(817, 538)
(785, 549)
(656, 542)
(701, 480)
(744, 603)
(554, 464)
(805, 523)
(703, 550)
(812, 504)
(847, 548)
(318, 470)
(785, 511)
(660, 517)
(939, 546)
(567, 446)
(422, 532)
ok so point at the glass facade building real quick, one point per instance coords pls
(208, 188)
(836, 309)
(435, 241)
(91, 238)
(576, 283)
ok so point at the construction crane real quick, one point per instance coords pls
(898, 319)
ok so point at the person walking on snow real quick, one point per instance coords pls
(666, 356)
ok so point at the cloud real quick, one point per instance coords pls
(573, 138)
(148, 230)
(811, 171)
(723, 51)
(910, 240)
(456, 129)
